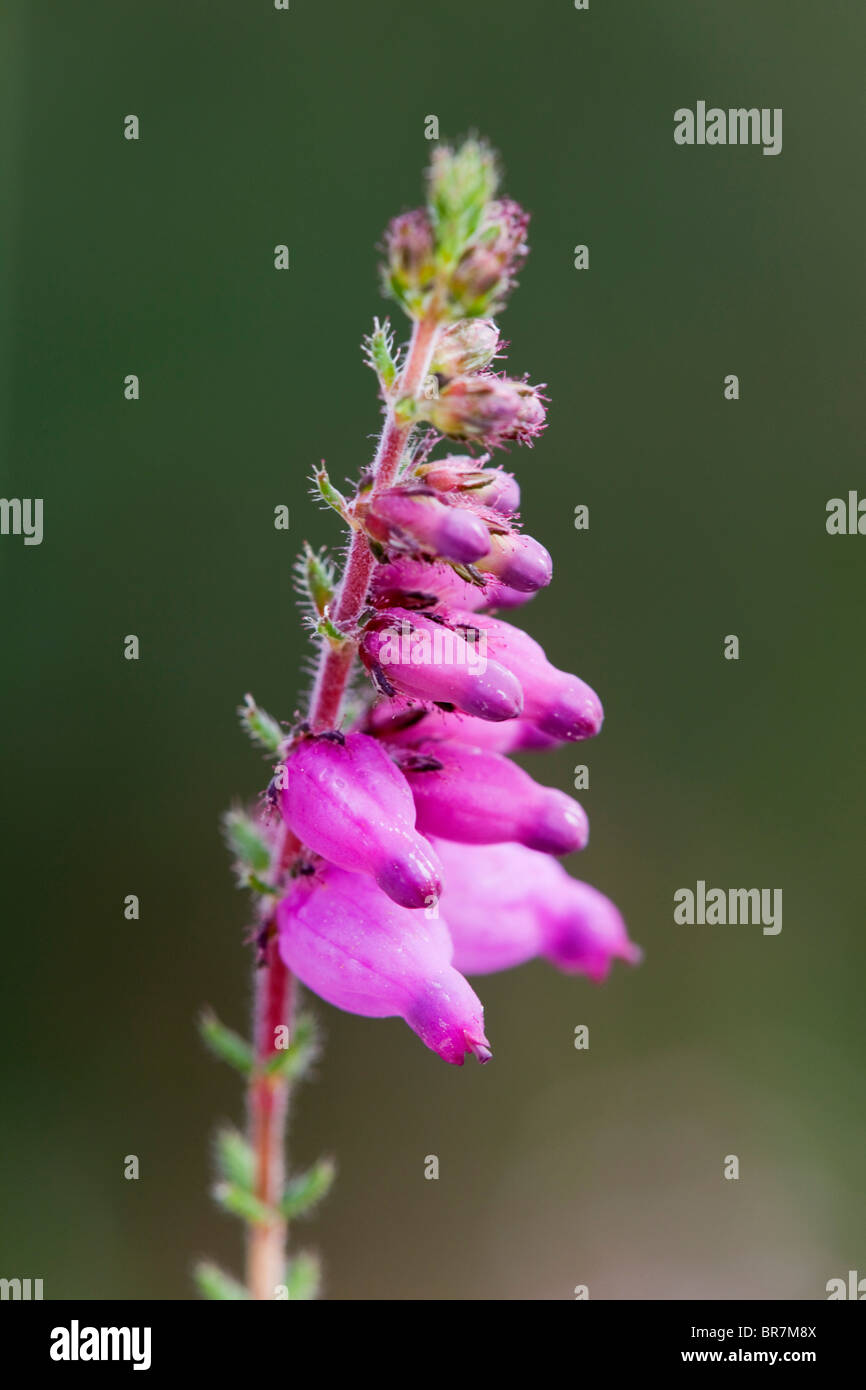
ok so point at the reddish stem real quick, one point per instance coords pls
(268, 1105)
(274, 989)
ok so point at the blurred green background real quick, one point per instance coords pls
(258, 127)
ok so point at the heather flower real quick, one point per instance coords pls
(487, 408)
(415, 583)
(561, 705)
(419, 584)
(518, 561)
(409, 723)
(411, 654)
(480, 798)
(464, 476)
(506, 904)
(361, 952)
(415, 519)
(345, 800)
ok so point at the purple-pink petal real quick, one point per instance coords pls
(346, 800)
(361, 952)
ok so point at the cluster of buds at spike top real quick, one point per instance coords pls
(426, 852)
(460, 255)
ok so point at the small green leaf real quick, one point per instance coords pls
(214, 1283)
(226, 1044)
(236, 1160)
(315, 578)
(308, 1189)
(238, 1202)
(261, 727)
(292, 1062)
(246, 842)
(303, 1277)
(379, 354)
(332, 495)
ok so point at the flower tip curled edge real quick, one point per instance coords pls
(629, 952)
(585, 933)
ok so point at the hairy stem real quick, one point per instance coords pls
(268, 1103)
(274, 987)
(335, 666)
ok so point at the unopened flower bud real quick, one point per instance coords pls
(492, 487)
(416, 519)
(347, 801)
(487, 269)
(410, 268)
(482, 798)
(410, 654)
(466, 346)
(498, 490)
(461, 185)
(485, 407)
(519, 561)
(356, 949)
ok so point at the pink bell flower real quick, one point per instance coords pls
(361, 952)
(506, 904)
(414, 517)
(464, 793)
(409, 722)
(561, 705)
(519, 561)
(410, 583)
(411, 654)
(345, 800)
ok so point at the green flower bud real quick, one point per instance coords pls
(461, 184)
